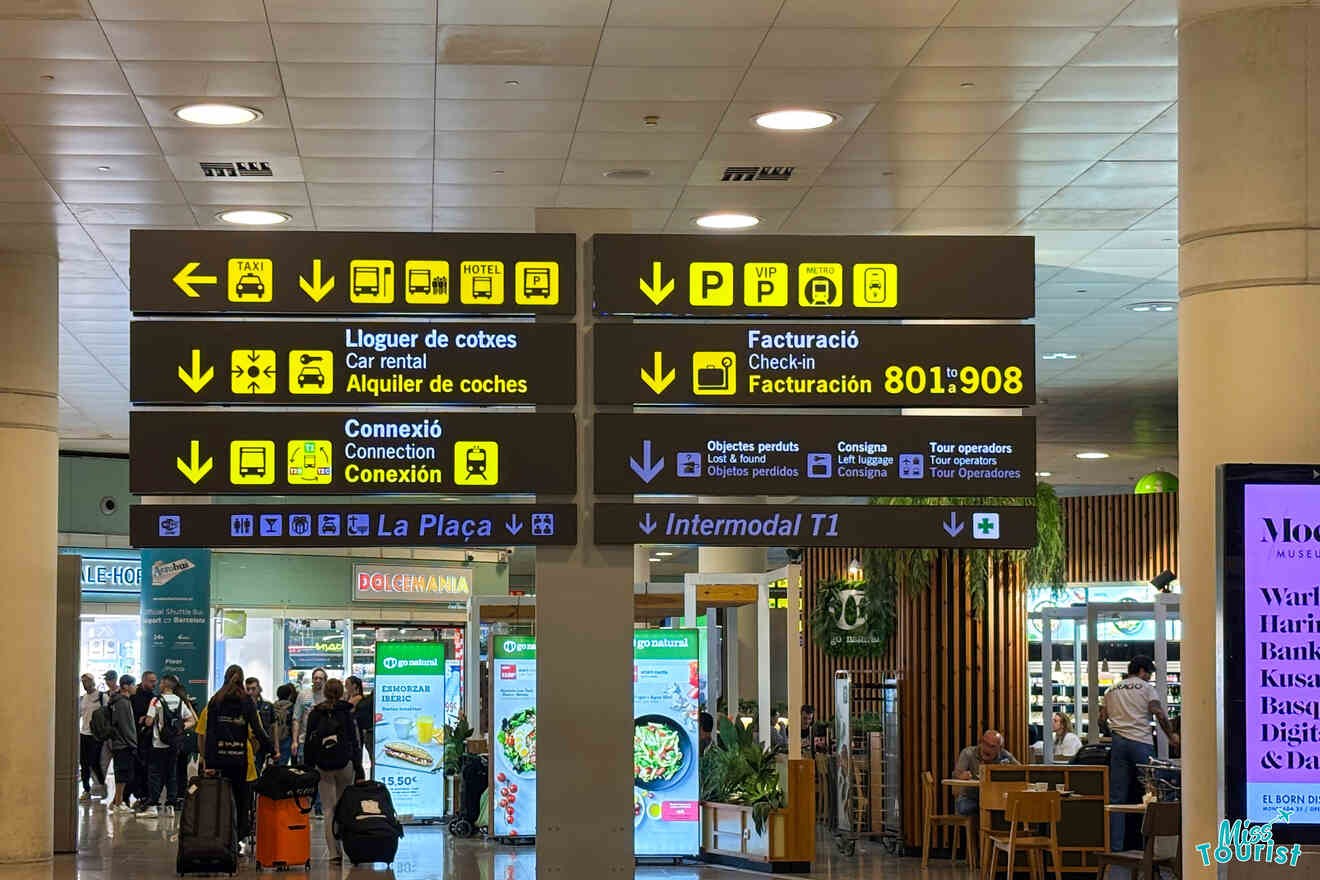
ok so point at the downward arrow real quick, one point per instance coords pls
(658, 289)
(196, 380)
(647, 470)
(658, 380)
(192, 469)
(514, 525)
(315, 289)
(953, 527)
(646, 524)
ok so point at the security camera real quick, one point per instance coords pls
(794, 554)
(1162, 581)
(109, 505)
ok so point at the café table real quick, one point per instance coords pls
(1125, 808)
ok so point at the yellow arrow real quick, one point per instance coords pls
(185, 279)
(656, 291)
(196, 380)
(192, 469)
(314, 288)
(658, 380)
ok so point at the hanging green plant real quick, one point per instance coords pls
(852, 618)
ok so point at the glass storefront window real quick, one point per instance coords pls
(110, 641)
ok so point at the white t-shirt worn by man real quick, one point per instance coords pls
(177, 707)
(1128, 706)
(87, 704)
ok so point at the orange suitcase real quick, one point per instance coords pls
(284, 837)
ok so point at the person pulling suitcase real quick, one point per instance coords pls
(333, 749)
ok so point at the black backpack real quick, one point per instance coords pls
(171, 722)
(226, 735)
(102, 722)
(333, 739)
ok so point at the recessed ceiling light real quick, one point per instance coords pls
(511, 82)
(1059, 356)
(1044, 473)
(1153, 306)
(664, 553)
(967, 85)
(727, 220)
(103, 168)
(628, 173)
(1081, 290)
(48, 76)
(253, 217)
(1091, 456)
(217, 114)
(795, 120)
(656, 559)
(497, 171)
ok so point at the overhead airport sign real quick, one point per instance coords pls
(807, 525)
(814, 276)
(858, 364)
(350, 452)
(351, 525)
(352, 362)
(856, 455)
(359, 273)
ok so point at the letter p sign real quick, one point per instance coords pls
(710, 284)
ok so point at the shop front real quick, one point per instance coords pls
(110, 636)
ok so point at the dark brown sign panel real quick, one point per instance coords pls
(854, 455)
(353, 273)
(826, 364)
(815, 276)
(351, 525)
(807, 525)
(352, 362)
(350, 452)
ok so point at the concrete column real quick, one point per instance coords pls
(1249, 206)
(584, 616)
(29, 481)
(641, 564)
(739, 560)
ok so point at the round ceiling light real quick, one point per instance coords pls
(727, 220)
(1059, 356)
(1044, 473)
(1153, 306)
(253, 217)
(217, 114)
(795, 120)
(1091, 456)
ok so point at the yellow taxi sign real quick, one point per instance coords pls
(251, 279)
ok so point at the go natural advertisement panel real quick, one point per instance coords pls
(176, 614)
(666, 744)
(410, 731)
(513, 707)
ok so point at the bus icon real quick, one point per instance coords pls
(371, 281)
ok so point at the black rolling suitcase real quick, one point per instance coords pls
(208, 835)
(366, 824)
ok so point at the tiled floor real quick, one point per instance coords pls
(143, 849)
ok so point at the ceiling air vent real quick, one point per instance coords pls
(236, 169)
(751, 173)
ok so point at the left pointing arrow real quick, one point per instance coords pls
(193, 469)
(196, 379)
(185, 280)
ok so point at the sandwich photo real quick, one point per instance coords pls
(410, 753)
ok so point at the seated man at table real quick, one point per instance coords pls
(990, 750)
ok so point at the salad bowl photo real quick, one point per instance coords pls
(663, 752)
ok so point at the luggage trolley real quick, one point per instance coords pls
(865, 772)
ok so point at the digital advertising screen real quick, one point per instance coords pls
(410, 732)
(666, 743)
(513, 742)
(1271, 612)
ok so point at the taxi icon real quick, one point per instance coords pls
(249, 284)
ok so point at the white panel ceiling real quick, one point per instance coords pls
(1016, 116)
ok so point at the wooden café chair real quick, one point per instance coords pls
(1161, 820)
(930, 804)
(1025, 809)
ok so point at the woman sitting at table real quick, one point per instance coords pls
(990, 750)
(1066, 743)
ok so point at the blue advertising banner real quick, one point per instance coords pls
(175, 610)
(410, 735)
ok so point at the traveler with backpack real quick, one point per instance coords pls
(141, 699)
(122, 738)
(364, 713)
(186, 748)
(169, 718)
(225, 730)
(89, 747)
(283, 734)
(266, 712)
(333, 748)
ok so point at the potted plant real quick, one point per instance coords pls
(742, 798)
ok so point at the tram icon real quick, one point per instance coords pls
(476, 463)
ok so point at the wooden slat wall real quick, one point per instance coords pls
(1120, 537)
(960, 674)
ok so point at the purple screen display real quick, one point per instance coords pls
(1281, 542)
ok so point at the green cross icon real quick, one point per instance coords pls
(984, 525)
